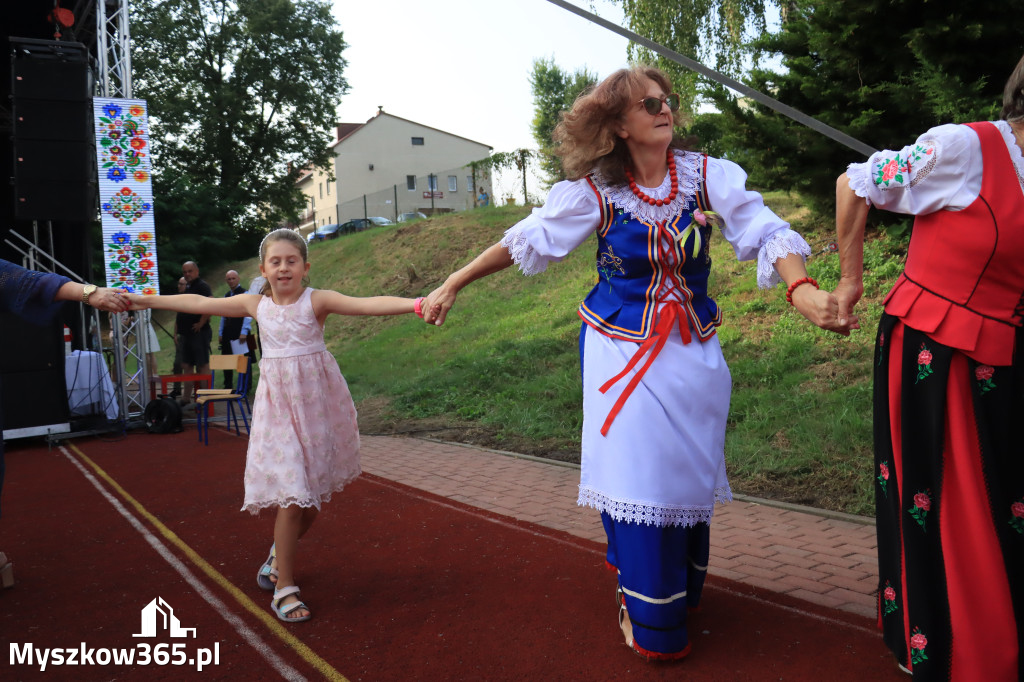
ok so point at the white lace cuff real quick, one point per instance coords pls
(860, 182)
(530, 262)
(779, 245)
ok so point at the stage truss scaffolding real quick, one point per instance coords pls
(129, 332)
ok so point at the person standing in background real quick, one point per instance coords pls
(195, 333)
(233, 328)
(179, 321)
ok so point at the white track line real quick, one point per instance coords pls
(247, 633)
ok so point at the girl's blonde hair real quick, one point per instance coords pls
(586, 136)
(283, 234)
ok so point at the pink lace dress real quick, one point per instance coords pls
(304, 443)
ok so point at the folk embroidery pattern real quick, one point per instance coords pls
(883, 476)
(609, 265)
(889, 599)
(122, 143)
(922, 505)
(132, 260)
(924, 363)
(1017, 516)
(126, 193)
(983, 375)
(918, 643)
(897, 169)
(126, 206)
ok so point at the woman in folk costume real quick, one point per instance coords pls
(948, 391)
(655, 385)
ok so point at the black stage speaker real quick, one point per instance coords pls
(33, 391)
(54, 143)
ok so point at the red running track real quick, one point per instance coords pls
(403, 584)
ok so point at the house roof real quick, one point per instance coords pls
(345, 130)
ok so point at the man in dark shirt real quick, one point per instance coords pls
(233, 328)
(194, 330)
(178, 324)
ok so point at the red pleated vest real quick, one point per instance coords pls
(963, 284)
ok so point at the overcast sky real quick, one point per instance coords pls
(463, 66)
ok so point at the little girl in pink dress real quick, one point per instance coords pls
(304, 443)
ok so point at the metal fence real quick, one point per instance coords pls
(441, 192)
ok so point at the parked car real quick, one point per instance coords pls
(324, 232)
(379, 221)
(411, 215)
(355, 225)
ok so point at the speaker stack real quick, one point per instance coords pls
(54, 144)
(53, 178)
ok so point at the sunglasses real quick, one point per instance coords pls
(653, 104)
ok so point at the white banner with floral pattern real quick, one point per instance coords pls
(126, 193)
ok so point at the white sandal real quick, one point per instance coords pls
(267, 570)
(283, 611)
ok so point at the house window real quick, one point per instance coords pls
(410, 182)
(328, 188)
(469, 184)
(417, 141)
(312, 202)
(453, 183)
(321, 190)
(432, 183)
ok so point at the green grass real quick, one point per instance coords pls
(504, 370)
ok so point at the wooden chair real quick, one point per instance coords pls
(206, 397)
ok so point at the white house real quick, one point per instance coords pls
(388, 166)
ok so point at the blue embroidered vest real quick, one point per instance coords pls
(632, 268)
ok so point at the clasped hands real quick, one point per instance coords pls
(110, 300)
(832, 311)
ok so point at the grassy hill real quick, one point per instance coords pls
(503, 371)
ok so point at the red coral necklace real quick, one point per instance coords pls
(651, 200)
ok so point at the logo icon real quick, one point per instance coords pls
(158, 615)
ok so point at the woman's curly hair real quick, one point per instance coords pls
(586, 136)
(1013, 95)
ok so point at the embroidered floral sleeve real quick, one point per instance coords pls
(570, 214)
(939, 170)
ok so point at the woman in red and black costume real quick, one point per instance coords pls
(949, 393)
(653, 441)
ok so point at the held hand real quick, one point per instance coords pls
(437, 304)
(196, 327)
(110, 300)
(243, 338)
(136, 301)
(848, 293)
(822, 308)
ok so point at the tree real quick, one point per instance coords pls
(242, 95)
(710, 31)
(554, 92)
(518, 159)
(882, 72)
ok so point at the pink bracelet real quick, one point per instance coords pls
(417, 306)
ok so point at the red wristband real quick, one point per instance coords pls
(417, 306)
(794, 285)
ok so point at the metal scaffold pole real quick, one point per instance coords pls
(129, 332)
